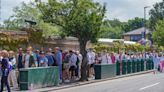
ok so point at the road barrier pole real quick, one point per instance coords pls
(124, 67)
(118, 67)
(142, 64)
(133, 66)
(129, 66)
(138, 65)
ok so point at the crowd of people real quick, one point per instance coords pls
(69, 62)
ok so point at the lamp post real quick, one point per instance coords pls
(145, 25)
(145, 21)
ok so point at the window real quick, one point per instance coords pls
(135, 37)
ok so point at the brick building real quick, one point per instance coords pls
(136, 35)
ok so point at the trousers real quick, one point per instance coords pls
(13, 78)
(4, 80)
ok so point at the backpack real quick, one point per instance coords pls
(32, 61)
(66, 59)
(78, 61)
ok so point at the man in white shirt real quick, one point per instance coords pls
(91, 61)
(27, 59)
(106, 59)
(72, 63)
(80, 57)
(156, 61)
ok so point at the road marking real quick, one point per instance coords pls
(149, 86)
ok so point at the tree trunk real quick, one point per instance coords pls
(84, 61)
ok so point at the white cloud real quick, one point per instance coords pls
(121, 9)
(126, 9)
(7, 7)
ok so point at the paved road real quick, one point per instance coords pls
(140, 83)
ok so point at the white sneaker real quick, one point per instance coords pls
(60, 81)
(67, 81)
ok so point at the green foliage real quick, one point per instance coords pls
(100, 48)
(160, 49)
(78, 18)
(132, 24)
(48, 29)
(34, 36)
(25, 11)
(114, 28)
(158, 35)
(156, 14)
(119, 46)
(111, 29)
(29, 12)
(10, 43)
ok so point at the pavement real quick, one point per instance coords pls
(139, 82)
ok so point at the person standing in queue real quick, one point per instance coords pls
(43, 61)
(5, 70)
(29, 59)
(50, 57)
(20, 58)
(12, 73)
(91, 61)
(58, 59)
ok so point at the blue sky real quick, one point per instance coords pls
(120, 9)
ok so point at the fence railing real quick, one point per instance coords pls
(123, 67)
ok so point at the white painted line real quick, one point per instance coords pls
(149, 86)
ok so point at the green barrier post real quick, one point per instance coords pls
(32, 78)
(142, 64)
(133, 66)
(103, 71)
(129, 66)
(152, 63)
(118, 67)
(124, 66)
(138, 65)
(147, 64)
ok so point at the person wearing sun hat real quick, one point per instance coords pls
(43, 61)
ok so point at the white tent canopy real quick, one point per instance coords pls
(106, 40)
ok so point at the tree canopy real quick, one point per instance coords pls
(158, 35)
(156, 14)
(78, 18)
(111, 29)
(29, 11)
(114, 28)
(133, 24)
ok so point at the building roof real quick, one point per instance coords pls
(105, 40)
(10, 32)
(138, 31)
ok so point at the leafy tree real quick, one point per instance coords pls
(35, 36)
(9, 42)
(111, 29)
(158, 35)
(114, 28)
(115, 22)
(156, 14)
(22, 13)
(30, 12)
(132, 24)
(78, 18)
